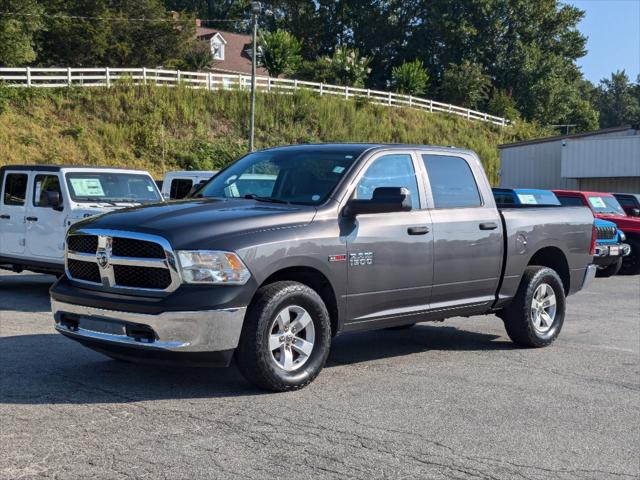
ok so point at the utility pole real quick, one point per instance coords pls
(255, 11)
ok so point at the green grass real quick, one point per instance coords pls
(161, 129)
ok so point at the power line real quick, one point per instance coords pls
(114, 19)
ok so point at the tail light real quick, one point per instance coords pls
(594, 236)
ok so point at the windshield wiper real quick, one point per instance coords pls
(253, 196)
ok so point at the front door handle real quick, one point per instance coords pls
(488, 226)
(31, 219)
(5, 217)
(418, 230)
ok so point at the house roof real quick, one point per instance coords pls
(237, 46)
(604, 131)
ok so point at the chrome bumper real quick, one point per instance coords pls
(198, 331)
(605, 250)
(589, 275)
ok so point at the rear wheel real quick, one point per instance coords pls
(609, 270)
(631, 263)
(285, 338)
(535, 316)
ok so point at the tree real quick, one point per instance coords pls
(618, 101)
(279, 52)
(112, 33)
(410, 78)
(465, 84)
(17, 31)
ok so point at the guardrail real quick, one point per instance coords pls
(106, 77)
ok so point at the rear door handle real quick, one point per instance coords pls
(488, 226)
(31, 219)
(418, 230)
(5, 217)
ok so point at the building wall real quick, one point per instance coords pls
(534, 166)
(615, 184)
(601, 157)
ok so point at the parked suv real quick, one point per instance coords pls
(610, 248)
(607, 207)
(630, 202)
(38, 203)
(347, 237)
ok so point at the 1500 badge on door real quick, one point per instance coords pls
(360, 259)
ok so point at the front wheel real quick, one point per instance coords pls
(535, 316)
(609, 270)
(285, 338)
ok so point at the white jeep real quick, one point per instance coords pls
(38, 203)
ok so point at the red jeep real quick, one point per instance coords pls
(606, 206)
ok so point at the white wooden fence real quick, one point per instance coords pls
(106, 77)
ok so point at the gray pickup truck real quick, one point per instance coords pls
(290, 246)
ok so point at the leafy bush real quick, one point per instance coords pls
(410, 78)
(279, 52)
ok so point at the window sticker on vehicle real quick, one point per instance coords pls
(527, 199)
(597, 202)
(87, 187)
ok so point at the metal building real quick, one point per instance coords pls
(606, 160)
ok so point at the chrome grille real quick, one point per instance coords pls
(115, 260)
(606, 233)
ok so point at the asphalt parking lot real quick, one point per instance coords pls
(452, 400)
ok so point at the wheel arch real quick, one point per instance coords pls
(317, 281)
(554, 258)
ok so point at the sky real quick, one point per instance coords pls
(613, 28)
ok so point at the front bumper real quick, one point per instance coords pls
(173, 336)
(612, 250)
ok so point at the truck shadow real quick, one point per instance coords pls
(50, 369)
(25, 292)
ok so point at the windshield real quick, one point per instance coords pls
(110, 187)
(304, 176)
(605, 204)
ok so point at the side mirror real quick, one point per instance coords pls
(384, 200)
(53, 200)
(635, 212)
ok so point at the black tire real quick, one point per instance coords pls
(402, 327)
(609, 270)
(517, 316)
(253, 356)
(631, 263)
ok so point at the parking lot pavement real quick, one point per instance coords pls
(451, 400)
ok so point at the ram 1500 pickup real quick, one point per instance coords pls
(349, 237)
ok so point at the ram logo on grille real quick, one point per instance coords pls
(116, 260)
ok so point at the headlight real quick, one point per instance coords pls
(623, 237)
(212, 267)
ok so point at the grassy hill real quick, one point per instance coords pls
(160, 129)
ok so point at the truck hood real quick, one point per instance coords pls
(194, 223)
(624, 223)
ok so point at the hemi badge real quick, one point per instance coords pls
(337, 258)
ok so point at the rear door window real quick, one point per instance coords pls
(452, 182)
(15, 188)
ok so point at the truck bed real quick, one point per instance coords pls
(529, 230)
